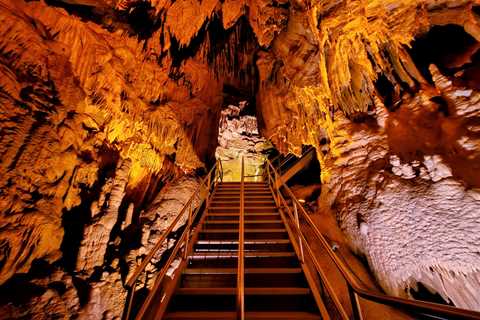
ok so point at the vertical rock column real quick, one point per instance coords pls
(96, 236)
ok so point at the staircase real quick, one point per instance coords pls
(246, 253)
(290, 165)
(275, 284)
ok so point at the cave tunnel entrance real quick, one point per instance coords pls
(239, 136)
(451, 49)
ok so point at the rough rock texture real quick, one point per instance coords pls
(238, 137)
(397, 141)
(96, 236)
(162, 212)
(104, 102)
(80, 97)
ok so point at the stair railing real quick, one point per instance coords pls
(428, 310)
(241, 250)
(207, 185)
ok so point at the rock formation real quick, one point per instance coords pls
(398, 148)
(108, 104)
(238, 137)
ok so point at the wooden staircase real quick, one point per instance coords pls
(275, 284)
(239, 256)
(291, 165)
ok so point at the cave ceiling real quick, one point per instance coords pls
(93, 87)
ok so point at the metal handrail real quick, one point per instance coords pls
(182, 241)
(282, 165)
(241, 252)
(355, 290)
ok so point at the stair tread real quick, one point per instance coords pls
(246, 207)
(247, 196)
(248, 291)
(246, 213)
(248, 254)
(246, 230)
(236, 221)
(212, 315)
(237, 191)
(265, 241)
(234, 186)
(247, 270)
(246, 200)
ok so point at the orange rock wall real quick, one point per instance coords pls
(103, 102)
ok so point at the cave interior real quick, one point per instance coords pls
(126, 126)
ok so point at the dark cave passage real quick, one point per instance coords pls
(449, 47)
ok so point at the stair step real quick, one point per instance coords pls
(248, 209)
(248, 216)
(237, 191)
(248, 291)
(247, 271)
(250, 245)
(236, 231)
(253, 197)
(215, 202)
(236, 221)
(208, 280)
(246, 186)
(236, 204)
(256, 299)
(284, 315)
(233, 254)
(254, 277)
(285, 260)
(229, 224)
(246, 213)
(237, 187)
(239, 182)
(232, 234)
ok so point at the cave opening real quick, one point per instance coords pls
(421, 292)
(449, 47)
(239, 136)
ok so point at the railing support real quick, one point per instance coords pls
(131, 283)
(297, 221)
(189, 226)
(241, 253)
(131, 292)
(357, 312)
(208, 188)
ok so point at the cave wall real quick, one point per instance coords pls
(399, 170)
(106, 105)
(91, 126)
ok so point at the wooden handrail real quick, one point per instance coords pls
(241, 252)
(182, 241)
(302, 240)
(355, 290)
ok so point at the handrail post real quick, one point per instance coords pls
(189, 226)
(297, 221)
(241, 239)
(130, 301)
(208, 188)
(268, 172)
(277, 187)
(357, 312)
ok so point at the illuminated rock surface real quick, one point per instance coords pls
(104, 103)
(238, 137)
